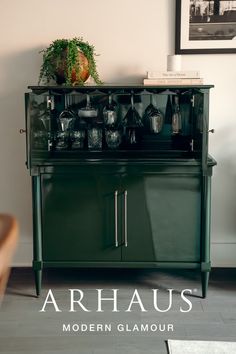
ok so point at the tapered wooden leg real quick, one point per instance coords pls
(37, 232)
(205, 280)
(38, 281)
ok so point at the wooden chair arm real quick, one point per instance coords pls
(8, 242)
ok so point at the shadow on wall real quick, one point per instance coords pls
(127, 74)
(18, 70)
(224, 198)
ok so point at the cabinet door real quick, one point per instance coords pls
(163, 218)
(137, 228)
(78, 212)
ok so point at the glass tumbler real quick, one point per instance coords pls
(40, 139)
(77, 139)
(95, 138)
(113, 138)
(62, 140)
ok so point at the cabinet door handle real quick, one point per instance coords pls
(116, 220)
(125, 211)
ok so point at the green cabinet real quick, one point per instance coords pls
(141, 200)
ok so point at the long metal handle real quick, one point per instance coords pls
(125, 211)
(116, 220)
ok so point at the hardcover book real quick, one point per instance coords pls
(173, 74)
(173, 81)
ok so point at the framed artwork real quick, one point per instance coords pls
(205, 26)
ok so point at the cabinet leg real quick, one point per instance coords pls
(205, 280)
(38, 281)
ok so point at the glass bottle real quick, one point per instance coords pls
(176, 117)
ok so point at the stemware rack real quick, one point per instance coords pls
(46, 104)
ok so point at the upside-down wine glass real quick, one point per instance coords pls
(153, 118)
(66, 122)
(132, 125)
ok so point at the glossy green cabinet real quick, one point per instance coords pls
(142, 207)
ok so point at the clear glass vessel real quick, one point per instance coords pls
(110, 113)
(153, 118)
(176, 117)
(95, 138)
(113, 138)
(132, 124)
(88, 111)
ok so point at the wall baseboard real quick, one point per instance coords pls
(222, 255)
(24, 255)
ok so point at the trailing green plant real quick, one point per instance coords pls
(64, 53)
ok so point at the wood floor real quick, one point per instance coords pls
(23, 329)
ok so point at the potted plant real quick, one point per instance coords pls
(69, 61)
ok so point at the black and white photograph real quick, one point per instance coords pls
(204, 26)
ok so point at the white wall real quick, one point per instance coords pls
(132, 36)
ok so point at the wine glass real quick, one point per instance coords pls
(88, 111)
(153, 118)
(132, 125)
(41, 133)
(66, 122)
(110, 112)
(149, 108)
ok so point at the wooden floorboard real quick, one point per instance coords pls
(23, 329)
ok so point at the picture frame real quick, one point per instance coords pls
(205, 27)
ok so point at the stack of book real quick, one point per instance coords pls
(159, 78)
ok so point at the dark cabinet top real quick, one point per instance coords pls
(114, 87)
